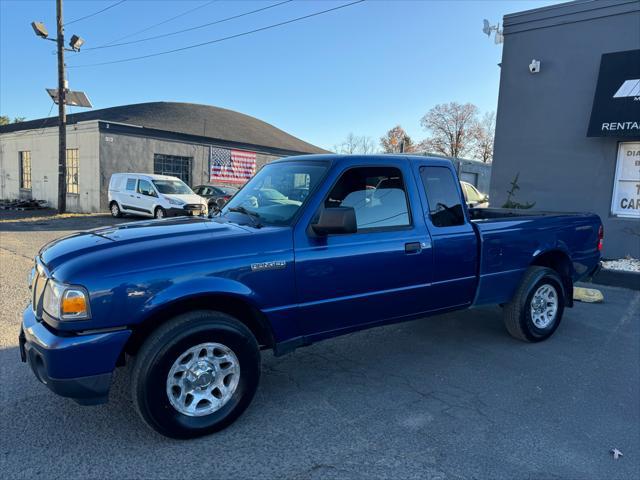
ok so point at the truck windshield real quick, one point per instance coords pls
(276, 193)
(172, 187)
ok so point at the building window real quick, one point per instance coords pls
(625, 201)
(72, 171)
(25, 170)
(173, 165)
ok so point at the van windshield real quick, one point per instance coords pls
(172, 187)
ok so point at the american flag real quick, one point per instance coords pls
(232, 166)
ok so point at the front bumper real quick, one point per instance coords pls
(77, 366)
(188, 210)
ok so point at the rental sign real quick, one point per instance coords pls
(616, 104)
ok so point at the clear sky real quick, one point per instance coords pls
(361, 69)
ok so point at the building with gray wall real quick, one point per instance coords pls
(160, 137)
(571, 130)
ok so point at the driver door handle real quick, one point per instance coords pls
(413, 247)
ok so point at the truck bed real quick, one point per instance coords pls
(509, 213)
(511, 239)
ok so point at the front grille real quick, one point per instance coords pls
(37, 289)
(193, 206)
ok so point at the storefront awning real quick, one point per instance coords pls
(616, 105)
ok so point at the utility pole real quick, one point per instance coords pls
(62, 114)
(60, 95)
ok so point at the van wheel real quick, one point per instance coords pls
(159, 213)
(535, 311)
(115, 210)
(196, 374)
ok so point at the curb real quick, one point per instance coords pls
(617, 278)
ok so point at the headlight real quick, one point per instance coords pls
(173, 201)
(66, 302)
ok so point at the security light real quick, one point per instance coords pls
(76, 42)
(40, 29)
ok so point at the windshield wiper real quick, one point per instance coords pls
(255, 218)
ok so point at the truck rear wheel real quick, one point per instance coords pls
(535, 311)
(196, 374)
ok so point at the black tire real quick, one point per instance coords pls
(517, 313)
(165, 345)
(115, 210)
(159, 212)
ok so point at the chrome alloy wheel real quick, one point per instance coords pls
(115, 211)
(544, 306)
(203, 379)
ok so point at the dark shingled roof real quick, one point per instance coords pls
(186, 118)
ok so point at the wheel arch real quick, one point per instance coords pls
(233, 305)
(560, 262)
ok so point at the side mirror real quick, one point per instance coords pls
(337, 220)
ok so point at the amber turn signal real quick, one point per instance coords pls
(74, 304)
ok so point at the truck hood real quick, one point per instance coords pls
(169, 236)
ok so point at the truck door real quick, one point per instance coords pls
(380, 272)
(455, 245)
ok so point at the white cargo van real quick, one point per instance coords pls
(155, 196)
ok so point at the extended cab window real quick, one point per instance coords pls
(445, 207)
(377, 194)
(131, 184)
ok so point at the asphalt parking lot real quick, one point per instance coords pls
(451, 396)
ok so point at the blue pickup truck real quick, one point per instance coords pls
(310, 248)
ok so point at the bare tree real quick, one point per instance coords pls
(483, 137)
(396, 140)
(451, 126)
(4, 120)
(367, 145)
(355, 144)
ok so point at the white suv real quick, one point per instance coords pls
(155, 196)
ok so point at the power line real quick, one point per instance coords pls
(188, 29)
(155, 25)
(95, 13)
(217, 40)
(42, 125)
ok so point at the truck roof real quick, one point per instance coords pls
(380, 158)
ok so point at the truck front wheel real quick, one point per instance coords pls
(196, 374)
(535, 310)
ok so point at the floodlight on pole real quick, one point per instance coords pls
(39, 29)
(76, 42)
